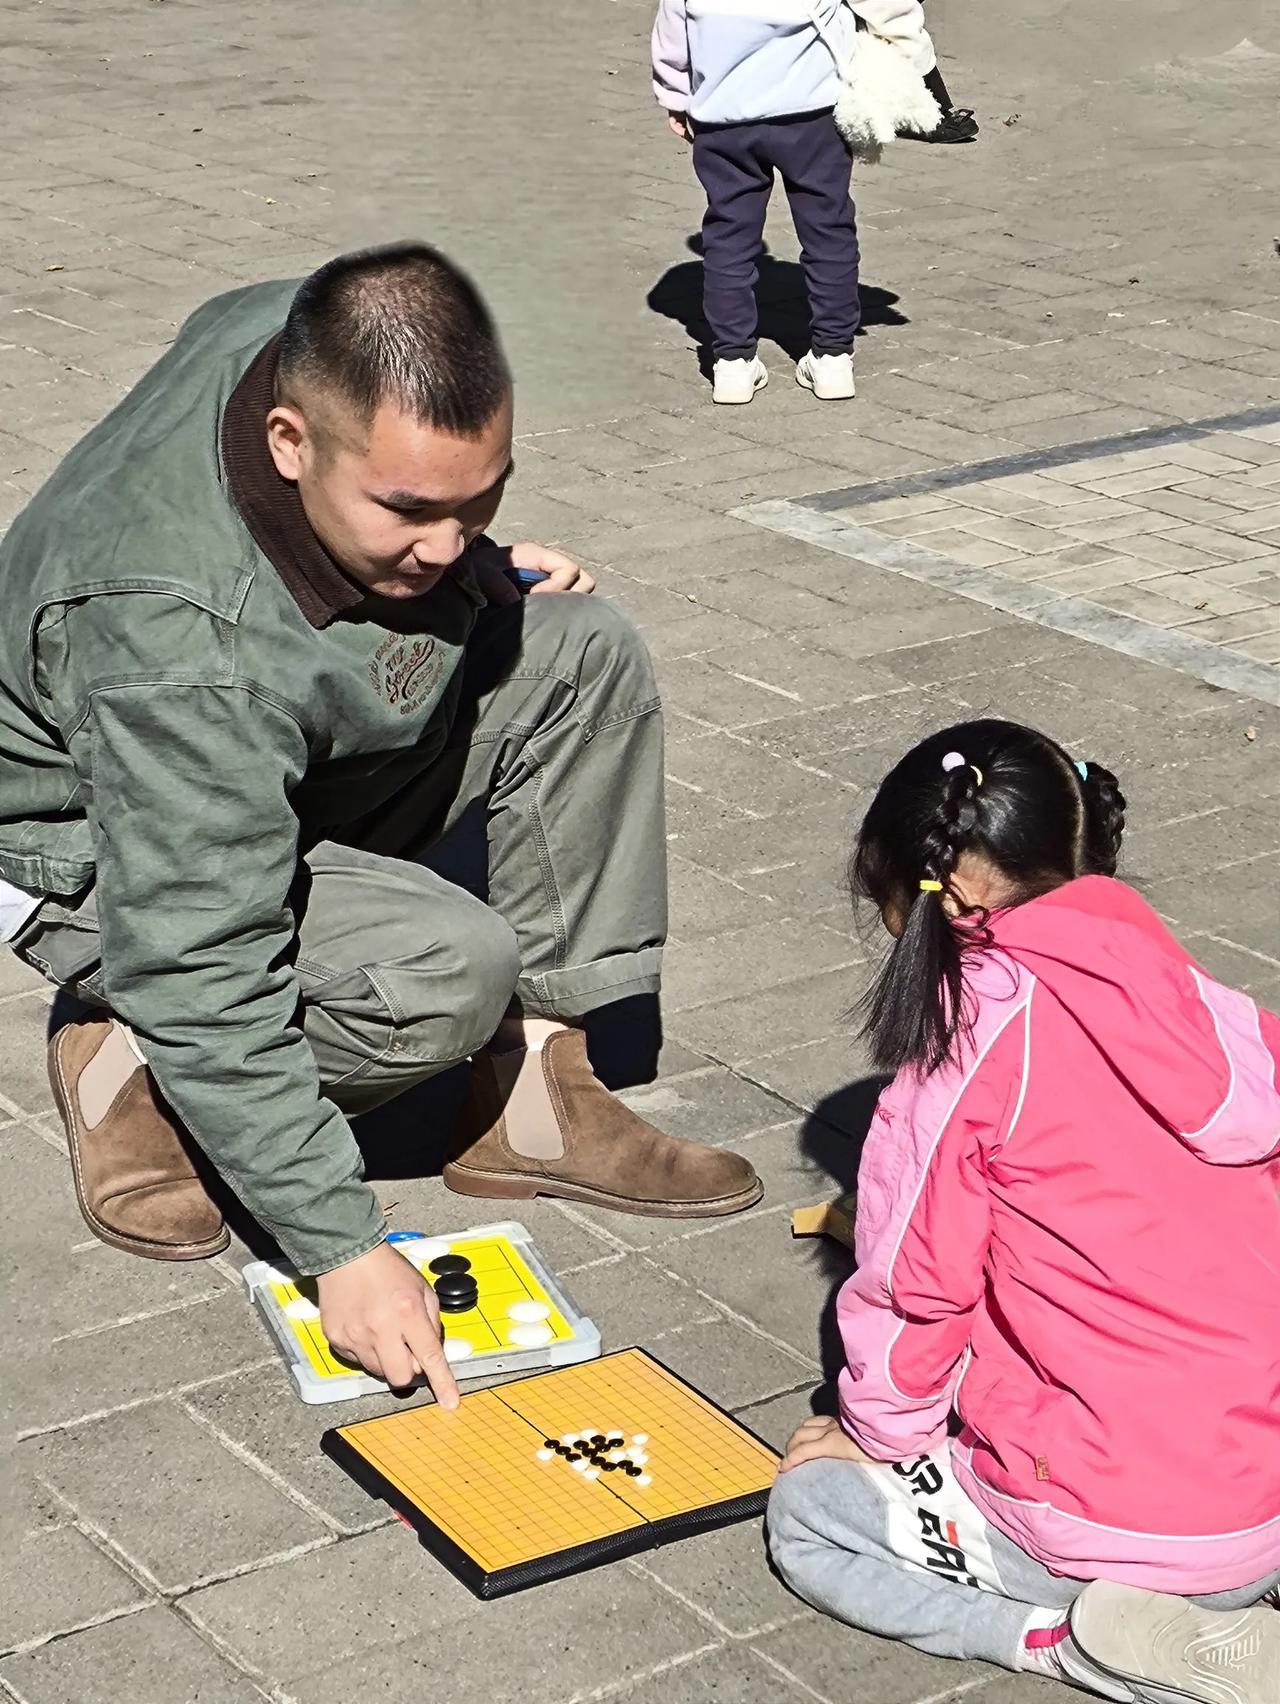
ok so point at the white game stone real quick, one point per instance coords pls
(639, 1458)
(579, 1466)
(569, 1438)
(530, 1336)
(644, 1479)
(456, 1349)
(639, 1437)
(424, 1249)
(545, 1455)
(528, 1312)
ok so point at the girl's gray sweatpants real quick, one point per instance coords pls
(899, 1550)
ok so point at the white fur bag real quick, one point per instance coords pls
(881, 93)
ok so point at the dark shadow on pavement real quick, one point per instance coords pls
(832, 1138)
(784, 306)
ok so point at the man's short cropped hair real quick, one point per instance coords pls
(399, 325)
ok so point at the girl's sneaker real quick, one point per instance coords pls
(1169, 1652)
(738, 381)
(829, 377)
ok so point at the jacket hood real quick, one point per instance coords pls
(1202, 1058)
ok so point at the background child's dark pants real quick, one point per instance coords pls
(735, 164)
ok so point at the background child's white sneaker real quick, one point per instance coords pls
(829, 377)
(738, 380)
(1168, 1651)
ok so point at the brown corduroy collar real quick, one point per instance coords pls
(270, 506)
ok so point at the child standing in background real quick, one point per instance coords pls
(1068, 1246)
(753, 84)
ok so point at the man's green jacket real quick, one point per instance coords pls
(180, 719)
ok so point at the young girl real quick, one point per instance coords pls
(753, 84)
(1068, 1245)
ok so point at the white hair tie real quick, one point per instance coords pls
(957, 760)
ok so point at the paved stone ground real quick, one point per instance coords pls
(1101, 263)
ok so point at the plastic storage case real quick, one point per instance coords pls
(508, 1268)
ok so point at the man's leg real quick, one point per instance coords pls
(402, 975)
(134, 1167)
(548, 802)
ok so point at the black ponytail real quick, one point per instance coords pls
(902, 1021)
(1104, 808)
(1004, 793)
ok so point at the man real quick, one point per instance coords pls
(260, 663)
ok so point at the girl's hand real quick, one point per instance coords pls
(678, 125)
(821, 1437)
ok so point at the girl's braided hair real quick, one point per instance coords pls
(1004, 793)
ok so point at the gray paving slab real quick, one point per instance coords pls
(382, 1586)
(725, 1675)
(591, 1631)
(148, 1354)
(725, 1578)
(72, 1287)
(150, 1658)
(886, 1673)
(56, 1580)
(175, 1500)
(732, 1362)
(712, 1104)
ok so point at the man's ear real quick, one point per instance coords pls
(288, 440)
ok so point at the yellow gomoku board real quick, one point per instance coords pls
(489, 1497)
(479, 1342)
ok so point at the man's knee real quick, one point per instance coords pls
(453, 994)
(487, 980)
(398, 1020)
(602, 645)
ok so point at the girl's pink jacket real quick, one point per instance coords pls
(1071, 1238)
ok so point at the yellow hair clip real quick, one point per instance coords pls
(930, 887)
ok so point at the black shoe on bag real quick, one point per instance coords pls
(958, 125)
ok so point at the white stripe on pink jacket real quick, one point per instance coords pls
(1071, 1240)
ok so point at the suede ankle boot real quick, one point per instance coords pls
(564, 1134)
(135, 1182)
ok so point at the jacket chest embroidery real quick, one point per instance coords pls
(405, 671)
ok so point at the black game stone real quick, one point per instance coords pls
(457, 1292)
(449, 1263)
